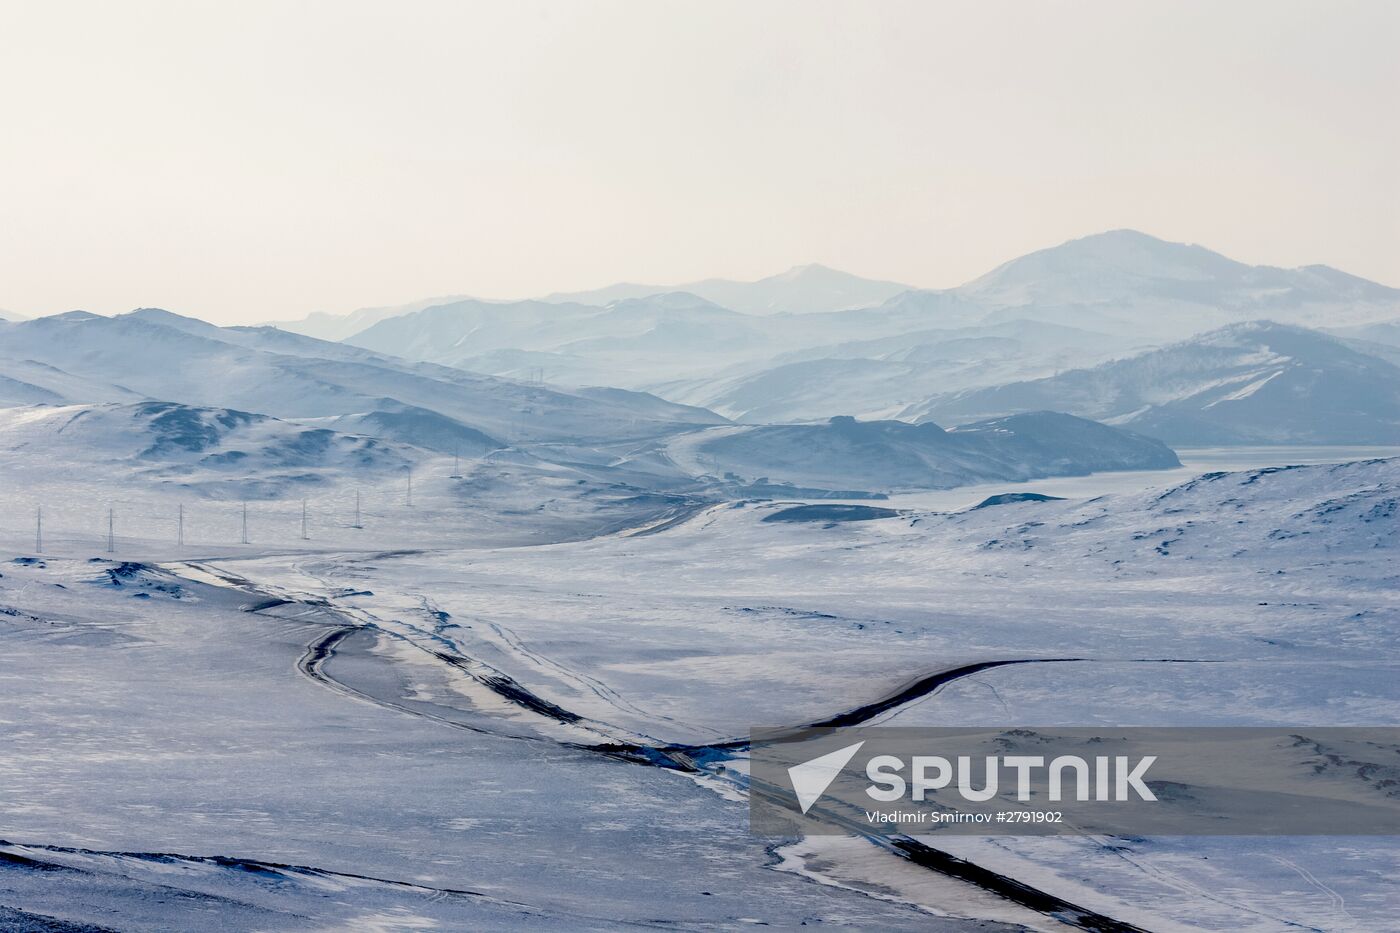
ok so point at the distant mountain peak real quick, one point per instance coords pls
(1126, 250)
(669, 300)
(162, 316)
(1127, 281)
(811, 269)
(1124, 234)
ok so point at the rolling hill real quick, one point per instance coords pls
(844, 453)
(1256, 383)
(212, 450)
(79, 357)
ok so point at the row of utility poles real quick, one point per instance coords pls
(243, 517)
(111, 537)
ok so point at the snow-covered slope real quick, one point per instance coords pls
(1257, 383)
(1128, 279)
(215, 450)
(28, 382)
(845, 454)
(881, 376)
(167, 357)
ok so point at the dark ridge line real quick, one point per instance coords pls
(509, 688)
(920, 688)
(914, 690)
(261, 867)
(1009, 888)
(949, 865)
(253, 866)
(688, 759)
(322, 649)
(266, 604)
(44, 923)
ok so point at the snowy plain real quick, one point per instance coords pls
(180, 751)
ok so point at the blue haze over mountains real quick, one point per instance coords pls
(1086, 356)
(1171, 339)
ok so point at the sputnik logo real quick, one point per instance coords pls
(811, 778)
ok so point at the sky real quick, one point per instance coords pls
(251, 161)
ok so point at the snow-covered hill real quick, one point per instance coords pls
(158, 355)
(880, 376)
(1127, 279)
(845, 454)
(1257, 383)
(213, 450)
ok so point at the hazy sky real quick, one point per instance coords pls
(243, 161)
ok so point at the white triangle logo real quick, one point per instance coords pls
(811, 778)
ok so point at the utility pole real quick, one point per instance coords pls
(303, 520)
(245, 523)
(410, 487)
(180, 525)
(111, 538)
(456, 465)
(357, 510)
(39, 530)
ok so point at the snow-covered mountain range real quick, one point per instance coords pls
(880, 376)
(814, 343)
(1076, 330)
(1257, 383)
(177, 399)
(79, 357)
